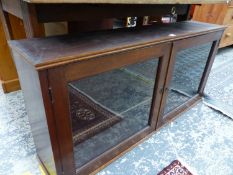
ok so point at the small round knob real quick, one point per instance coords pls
(228, 34)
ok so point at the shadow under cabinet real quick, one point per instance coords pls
(91, 96)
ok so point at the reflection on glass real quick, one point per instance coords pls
(187, 74)
(110, 107)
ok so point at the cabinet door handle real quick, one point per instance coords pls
(162, 90)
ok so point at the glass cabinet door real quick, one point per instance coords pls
(110, 107)
(187, 73)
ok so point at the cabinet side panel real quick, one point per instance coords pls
(210, 13)
(29, 81)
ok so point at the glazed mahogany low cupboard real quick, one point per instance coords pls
(92, 96)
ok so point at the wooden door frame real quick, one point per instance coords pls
(59, 78)
(179, 45)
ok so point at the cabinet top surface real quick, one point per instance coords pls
(53, 51)
(131, 1)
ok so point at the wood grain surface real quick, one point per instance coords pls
(54, 51)
(8, 73)
(131, 1)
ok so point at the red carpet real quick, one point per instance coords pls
(175, 168)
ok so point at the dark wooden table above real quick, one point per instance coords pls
(35, 12)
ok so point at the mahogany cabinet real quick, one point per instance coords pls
(92, 96)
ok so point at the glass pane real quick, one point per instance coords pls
(189, 67)
(110, 107)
